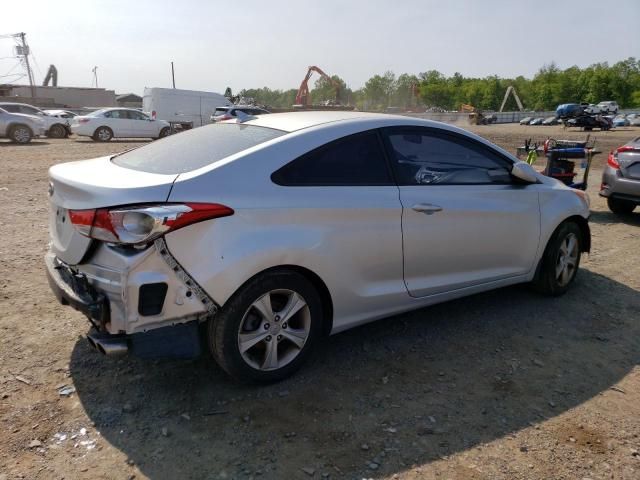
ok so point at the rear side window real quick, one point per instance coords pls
(351, 161)
(195, 148)
(12, 108)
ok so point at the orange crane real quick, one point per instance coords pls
(302, 97)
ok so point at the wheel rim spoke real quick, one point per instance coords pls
(263, 305)
(294, 305)
(271, 356)
(250, 339)
(297, 336)
(559, 269)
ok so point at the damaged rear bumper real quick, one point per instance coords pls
(114, 289)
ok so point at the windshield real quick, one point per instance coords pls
(193, 149)
(220, 111)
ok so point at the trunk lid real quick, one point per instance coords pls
(90, 184)
(630, 162)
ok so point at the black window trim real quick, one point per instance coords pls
(383, 152)
(447, 135)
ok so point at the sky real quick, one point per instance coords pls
(256, 43)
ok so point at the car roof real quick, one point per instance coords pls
(21, 104)
(292, 121)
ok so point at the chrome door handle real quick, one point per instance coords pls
(427, 208)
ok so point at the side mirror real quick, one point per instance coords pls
(524, 172)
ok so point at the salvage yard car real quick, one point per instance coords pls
(267, 235)
(54, 127)
(103, 125)
(621, 178)
(20, 128)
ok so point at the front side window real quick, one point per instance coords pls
(137, 115)
(426, 157)
(30, 110)
(351, 161)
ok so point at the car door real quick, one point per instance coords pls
(465, 220)
(115, 121)
(142, 125)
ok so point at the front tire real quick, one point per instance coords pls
(102, 134)
(21, 134)
(560, 261)
(267, 329)
(57, 131)
(620, 207)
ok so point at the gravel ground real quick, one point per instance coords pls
(502, 385)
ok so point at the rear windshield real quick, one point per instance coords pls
(193, 149)
(221, 111)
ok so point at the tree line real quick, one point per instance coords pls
(549, 87)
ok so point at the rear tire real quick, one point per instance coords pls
(102, 134)
(21, 134)
(57, 131)
(268, 328)
(164, 133)
(620, 207)
(560, 261)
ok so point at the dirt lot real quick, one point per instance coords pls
(502, 385)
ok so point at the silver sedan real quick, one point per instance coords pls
(266, 236)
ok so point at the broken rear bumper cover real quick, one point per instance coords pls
(136, 297)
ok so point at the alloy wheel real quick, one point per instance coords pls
(21, 134)
(567, 259)
(274, 330)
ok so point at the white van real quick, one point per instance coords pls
(189, 108)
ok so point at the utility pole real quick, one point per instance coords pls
(25, 54)
(173, 76)
(95, 75)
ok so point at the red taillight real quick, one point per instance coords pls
(83, 120)
(625, 148)
(612, 160)
(142, 224)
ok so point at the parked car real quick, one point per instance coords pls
(608, 106)
(65, 114)
(20, 128)
(227, 113)
(274, 232)
(550, 121)
(537, 121)
(591, 109)
(589, 122)
(54, 127)
(526, 120)
(103, 125)
(634, 119)
(620, 121)
(621, 178)
(569, 110)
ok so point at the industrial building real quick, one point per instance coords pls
(59, 97)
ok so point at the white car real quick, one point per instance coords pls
(608, 106)
(54, 127)
(272, 233)
(65, 115)
(19, 127)
(103, 125)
